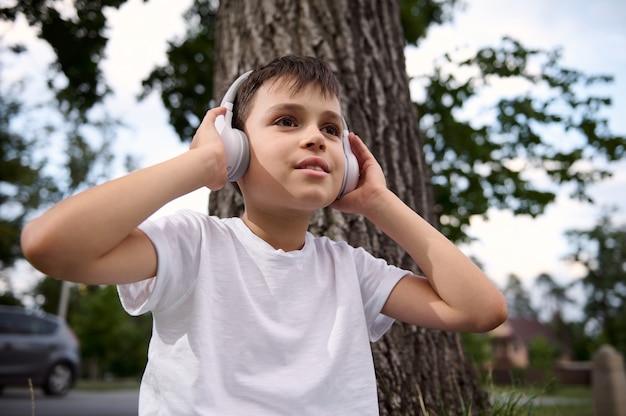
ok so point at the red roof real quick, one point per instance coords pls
(528, 329)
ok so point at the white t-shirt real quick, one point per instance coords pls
(243, 329)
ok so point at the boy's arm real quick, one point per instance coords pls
(92, 237)
(455, 295)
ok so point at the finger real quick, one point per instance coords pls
(207, 127)
(359, 149)
(211, 115)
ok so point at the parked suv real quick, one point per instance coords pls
(37, 346)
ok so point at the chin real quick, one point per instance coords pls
(314, 201)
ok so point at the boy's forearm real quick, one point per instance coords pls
(453, 276)
(86, 226)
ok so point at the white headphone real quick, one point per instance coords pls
(238, 150)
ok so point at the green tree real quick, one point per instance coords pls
(24, 185)
(29, 180)
(6, 294)
(474, 164)
(112, 342)
(518, 299)
(47, 294)
(554, 297)
(583, 344)
(78, 38)
(542, 353)
(479, 349)
(601, 250)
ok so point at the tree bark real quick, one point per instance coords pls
(362, 40)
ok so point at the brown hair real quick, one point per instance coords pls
(296, 71)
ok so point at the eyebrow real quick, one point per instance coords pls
(298, 108)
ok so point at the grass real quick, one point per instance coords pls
(559, 410)
(549, 401)
(106, 385)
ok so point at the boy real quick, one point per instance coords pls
(254, 315)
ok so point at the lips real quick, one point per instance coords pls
(314, 163)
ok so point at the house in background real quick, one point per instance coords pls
(510, 345)
(510, 342)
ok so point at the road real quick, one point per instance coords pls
(18, 402)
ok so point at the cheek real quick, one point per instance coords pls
(266, 165)
(340, 162)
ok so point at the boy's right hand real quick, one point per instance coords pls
(208, 140)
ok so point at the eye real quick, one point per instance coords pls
(286, 121)
(332, 130)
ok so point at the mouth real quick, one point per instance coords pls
(312, 167)
(316, 164)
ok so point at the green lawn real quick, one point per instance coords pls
(552, 401)
(107, 385)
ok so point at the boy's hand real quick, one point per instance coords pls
(208, 141)
(371, 181)
(456, 295)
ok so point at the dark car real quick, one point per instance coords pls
(37, 348)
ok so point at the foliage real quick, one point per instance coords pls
(418, 16)
(23, 184)
(83, 29)
(554, 296)
(111, 341)
(186, 80)
(582, 344)
(542, 353)
(478, 348)
(518, 299)
(601, 250)
(29, 180)
(47, 294)
(7, 298)
(481, 165)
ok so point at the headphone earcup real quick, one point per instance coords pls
(236, 147)
(351, 173)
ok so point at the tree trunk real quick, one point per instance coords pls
(362, 40)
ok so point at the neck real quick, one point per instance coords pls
(278, 230)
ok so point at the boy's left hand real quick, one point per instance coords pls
(371, 180)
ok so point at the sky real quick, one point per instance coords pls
(592, 36)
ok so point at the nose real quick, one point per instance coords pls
(314, 140)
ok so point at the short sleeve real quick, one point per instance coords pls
(177, 241)
(376, 279)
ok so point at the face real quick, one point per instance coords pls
(296, 152)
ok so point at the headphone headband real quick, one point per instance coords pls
(231, 93)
